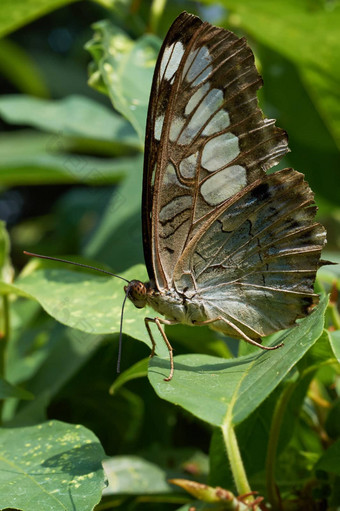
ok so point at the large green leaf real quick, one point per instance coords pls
(89, 303)
(51, 466)
(305, 35)
(211, 387)
(74, 116)
(118, 239)
(14, 15)
(35, 164)
(124, 68)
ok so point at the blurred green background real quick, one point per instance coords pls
(70, 186)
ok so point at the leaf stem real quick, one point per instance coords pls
(235, 460)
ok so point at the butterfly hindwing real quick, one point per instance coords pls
(254, 261)
(206, 137)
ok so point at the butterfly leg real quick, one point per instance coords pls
(159, 322)
(239, 331)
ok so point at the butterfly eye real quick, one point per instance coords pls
(136, 291)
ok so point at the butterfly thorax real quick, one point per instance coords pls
(169, 302)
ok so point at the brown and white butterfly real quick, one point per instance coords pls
(225, 244)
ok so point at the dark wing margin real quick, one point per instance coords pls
(184, 27)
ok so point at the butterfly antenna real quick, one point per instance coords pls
(75, 264)
(121, 330)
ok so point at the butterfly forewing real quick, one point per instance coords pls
(207, 138)
(186, 25)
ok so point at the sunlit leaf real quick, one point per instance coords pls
(132, 475)
(209, 387)
(86, 302)
(36, 164)
(55, 465)
(74, 116)
(115, 54)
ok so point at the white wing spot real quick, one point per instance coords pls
(158, 127)
(196, 98)
(222, 185)
(175, 128)
(197, 68)
(219, 151)
(212, 102)
(187, 167)
(170, 176)
(219, 122)
(172, 57)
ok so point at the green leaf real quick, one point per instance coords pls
(138, 370)
(20, 69)
(118, 239)
(115, 56)
(295, 30)
(8, 390)
(74, 116)
(334, 338)
(14, 15)
(211, 387)
(51, 364)
(89, 303)
(36, 165)
(329, 461)
(6, 270)
(54, 465)
(131, 475)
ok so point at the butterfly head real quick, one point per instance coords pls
(137, 293)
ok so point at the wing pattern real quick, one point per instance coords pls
(254, 261)
(206, 137)
(223, 239)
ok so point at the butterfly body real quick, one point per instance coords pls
(177, 308)
(225, 244)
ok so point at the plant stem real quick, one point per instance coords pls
(235, 459)
(274, 435)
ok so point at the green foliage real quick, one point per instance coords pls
(221, 390)
(258, 421)
(54, 464)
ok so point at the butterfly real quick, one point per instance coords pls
(225, 244)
